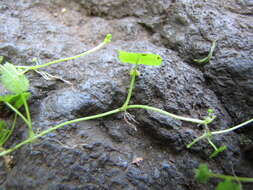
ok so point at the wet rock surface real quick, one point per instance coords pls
(100, 154)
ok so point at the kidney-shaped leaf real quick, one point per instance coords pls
(140, 58)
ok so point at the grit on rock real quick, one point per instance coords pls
(98, 154)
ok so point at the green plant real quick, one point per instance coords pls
(209, 56)
(14, 79)
(18, 85)
(203, 174)
(36, 67)
(6, 131)
(207, 135)
(125, 57)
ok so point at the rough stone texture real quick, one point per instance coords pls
(189, 26)
(99, 154)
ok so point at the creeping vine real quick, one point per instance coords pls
(13, 79)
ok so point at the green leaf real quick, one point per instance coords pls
(12, 79)
(228, 185)
(140, 58)
(202, 174)
(15, 99)
(209, 56)
(219, 150)
(108, 38)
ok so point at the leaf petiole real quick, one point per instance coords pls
(209, 56)
(130, 91)
(9, 132)
(30, 130)
(17, 112)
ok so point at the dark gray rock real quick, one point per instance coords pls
(190, 27)
(99, 154)
(121, 8)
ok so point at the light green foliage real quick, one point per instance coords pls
(17, 83)
(108, 38)
(211, 116)
(209, 56)
(217, 151)
(15, 99)
(13, 79)
(36, 67)
(202, 174)
(207, 134)
(140, 58)
(228, 185)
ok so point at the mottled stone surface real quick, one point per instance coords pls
(98, 154)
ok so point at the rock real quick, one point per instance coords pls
(98, 154)
(121, 8)
(189, 27)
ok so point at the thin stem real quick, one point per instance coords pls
(123, 108)
(30, 130)
(130, 90)
(30, 139)
(11, 131)
(235, 178)
(205, 135)
(100, 46)
(196, 140)
(166, 113)
(17, 112)
(213, 145)
(232, 128)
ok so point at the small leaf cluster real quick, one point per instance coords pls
(203, 175)
(13, 79)
(208, 135)
(17, 84)
(15, 99)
